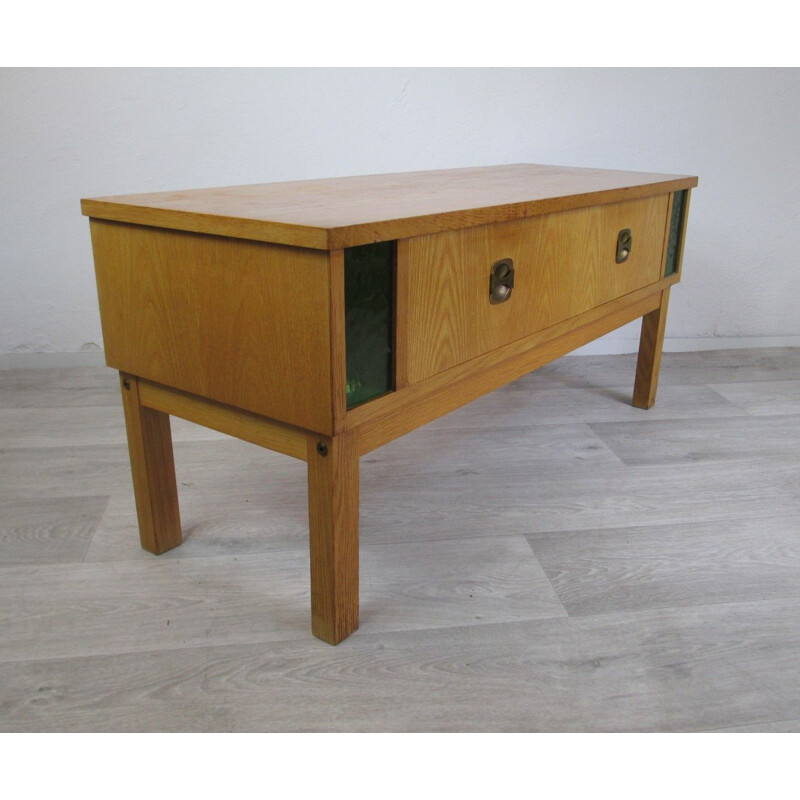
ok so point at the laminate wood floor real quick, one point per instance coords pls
(547, 558)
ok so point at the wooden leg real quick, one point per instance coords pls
(153, 470)
(333, 528)
(650, 345)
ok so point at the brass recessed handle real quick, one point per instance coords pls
(624, 245)
(501, 281)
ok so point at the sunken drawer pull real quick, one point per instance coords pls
(624, 245)
(501, 281)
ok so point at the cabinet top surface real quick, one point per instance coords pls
(332, 213)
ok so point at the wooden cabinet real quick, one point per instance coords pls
(325, 318)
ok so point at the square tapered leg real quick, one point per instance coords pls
(650, 347)
(333, 528)
(153, 471)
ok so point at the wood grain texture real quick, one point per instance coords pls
(215, 523)
(342, 212)
(676, 670)
(635, 568)
(573, 496)
(76, 426)
(231, 599)
(442, 583)
(435, 450)
(671, 442)
(153, 471)
(55, 530)
(396, 414)
(681, 576)
(765, 398)
(237, 499)
(716, 368)
(243, 323)
(61, 387)
(564, 266)
(402, 301)
(651, 344)
(535, 397)
(333, 489)
(41, 473)
(338, 353)
(92, 608)
(779, 726)
(243, 425)
(209, 466)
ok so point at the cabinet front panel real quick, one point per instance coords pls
(244, 323)
(563, 264)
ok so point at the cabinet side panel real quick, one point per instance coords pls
(241, 322)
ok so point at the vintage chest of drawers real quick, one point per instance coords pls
(324, 318)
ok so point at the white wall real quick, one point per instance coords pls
(72, 133)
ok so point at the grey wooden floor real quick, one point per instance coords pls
(547, 558)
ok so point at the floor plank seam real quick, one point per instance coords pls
(645, 610)
(549, 579)
(361, 638)
(760, 519)
(301, 638)
(753, 726)
(97, 525)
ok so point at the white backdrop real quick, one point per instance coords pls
(72, 133)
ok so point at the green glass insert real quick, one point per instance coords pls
(368, 306)
(676, 224)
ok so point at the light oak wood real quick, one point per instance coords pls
(333, 533)
(153, 471)
(242, 323)
(395, 414)
(402, 301)
(564, 265)
(333, 213)
(226, 307)
(651, 344)
(338, 356)
(226, 419)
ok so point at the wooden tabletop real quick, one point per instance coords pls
(332, 213)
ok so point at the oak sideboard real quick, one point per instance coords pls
(324, 318)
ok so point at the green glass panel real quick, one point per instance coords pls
(675, 229)
(368, 305)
